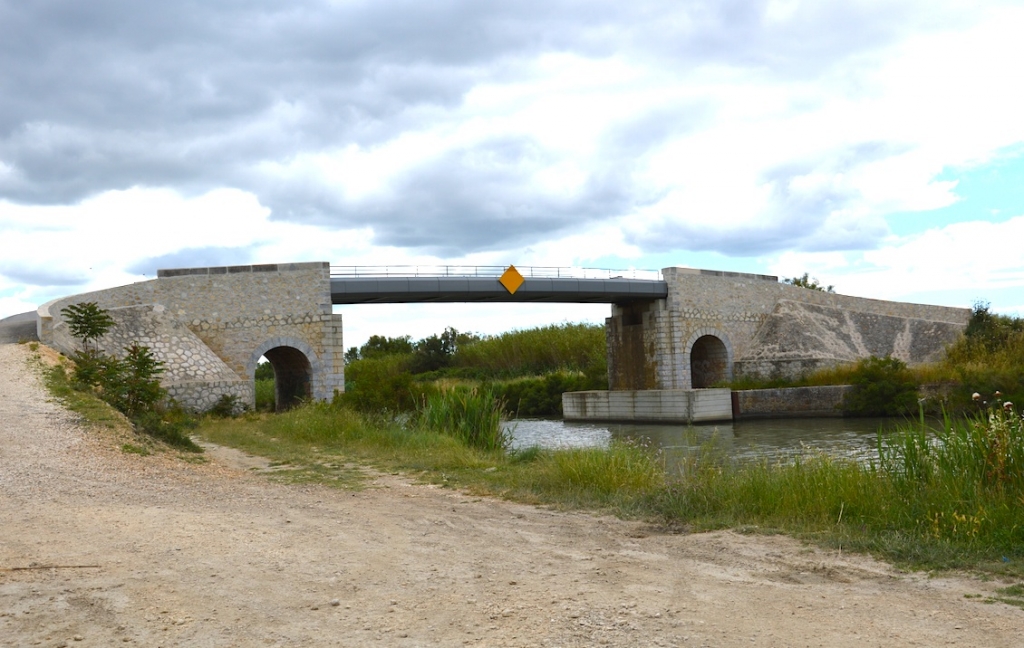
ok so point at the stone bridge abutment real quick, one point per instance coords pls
(210, 326)
(715, 326)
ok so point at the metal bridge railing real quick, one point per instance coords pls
(489, 271)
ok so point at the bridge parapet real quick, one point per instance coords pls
(538, 272)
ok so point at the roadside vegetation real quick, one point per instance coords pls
(940, 497)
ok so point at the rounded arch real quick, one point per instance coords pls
(709, 356)
(295, 367)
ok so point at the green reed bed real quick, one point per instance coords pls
(946, 497)
(471, 415)
(572, 347)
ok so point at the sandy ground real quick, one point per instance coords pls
(154, 551)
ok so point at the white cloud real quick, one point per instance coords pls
(969, 256)
(790, 130)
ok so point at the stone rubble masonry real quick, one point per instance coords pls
(823, 401)
(211, 325)
(768, 328)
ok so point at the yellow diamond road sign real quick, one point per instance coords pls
(511, 280)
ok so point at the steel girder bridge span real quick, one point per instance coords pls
(495, 284)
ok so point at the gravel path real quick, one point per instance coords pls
(154, 551)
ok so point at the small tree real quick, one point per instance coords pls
(87, 322)
(806, 281)
(139, 389)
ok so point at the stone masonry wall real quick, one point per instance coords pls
(770, 327)
(235, 313)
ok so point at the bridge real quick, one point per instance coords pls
(673, 329)
(447, 284)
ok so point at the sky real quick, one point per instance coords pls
(877, 145)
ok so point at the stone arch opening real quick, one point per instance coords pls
(293, 376)
(709, 362)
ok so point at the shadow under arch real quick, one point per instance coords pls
(710, 359)
(294, 365)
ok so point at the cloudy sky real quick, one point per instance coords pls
(877, 145)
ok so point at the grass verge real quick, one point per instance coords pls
(949, 500)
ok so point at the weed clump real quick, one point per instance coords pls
(473, 416)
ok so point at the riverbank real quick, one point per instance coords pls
(152, 550)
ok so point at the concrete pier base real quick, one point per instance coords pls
(649, 405)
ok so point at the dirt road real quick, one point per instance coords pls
(153, 551)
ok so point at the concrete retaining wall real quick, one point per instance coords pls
(701, 405)
(654, 405)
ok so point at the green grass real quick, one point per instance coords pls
(166, 426)
(132, 448)
(266, 399)
(944, 499)
(93, 411)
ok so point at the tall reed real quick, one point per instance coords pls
(965, 483)
(468, 414)
(575, 347)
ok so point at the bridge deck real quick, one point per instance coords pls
(397, 290)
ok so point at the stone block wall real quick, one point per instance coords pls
(767, 328)
(211, 325)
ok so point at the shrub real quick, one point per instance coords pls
(811, 283)
(170, 425)
(266, 399)
(379, 384)
(542, 396)
(131, 384)
(882, 387)
(560, 347)
(227, 406)
(264, 371)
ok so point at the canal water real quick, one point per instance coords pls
(773, 439)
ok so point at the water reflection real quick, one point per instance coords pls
(774, 440)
